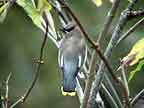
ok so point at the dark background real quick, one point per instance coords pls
(20, 43)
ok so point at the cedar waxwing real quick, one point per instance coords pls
(72, 53)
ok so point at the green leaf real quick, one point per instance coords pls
(31, 11)
(27, 5)
(138, 68)
(34, 13)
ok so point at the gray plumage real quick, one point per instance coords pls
(72, 54)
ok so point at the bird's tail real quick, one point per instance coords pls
(69, 87)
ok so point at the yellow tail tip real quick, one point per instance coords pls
(67, 93)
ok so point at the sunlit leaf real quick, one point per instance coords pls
(3, 16)
(31, 11)
(3, 12)
(33, 2)
(98, 3)
(111, 1)
(138, 68)
(3, 7)
(37, 18)
(47, 5)
(130, 1)
(135, 54)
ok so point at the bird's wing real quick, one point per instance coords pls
(60, 59)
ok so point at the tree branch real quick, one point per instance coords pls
(79, 91)
(105, 29)
(109, 96)
(40, 62)
(136, 13)
(7, 90)
(125, 80)
(115, 36)
(135, 99)
(131, 30)
(113, 91)
(89, 80)
(17, 102)
(109, 19)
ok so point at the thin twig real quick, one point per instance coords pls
(79, 91)
(131, 30)
(134, 100)
(58, 9)
(113, 91)
(136, 13)
(11, 3)
(115, 36)
(7, 90)
(40, 61)
(125, 79)
(109, 19)
(17, 102)
(110, 97)
(89, 80)
(2, 100)
(3, 105)
(106, 63)
(105, 29)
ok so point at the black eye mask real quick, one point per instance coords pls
(69, 29)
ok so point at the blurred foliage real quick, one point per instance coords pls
(20, 44)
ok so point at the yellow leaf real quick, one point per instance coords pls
(47, 4)
(44, 4)
(37, 18)
(98, 3)
(135, 54)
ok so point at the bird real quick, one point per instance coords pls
(72, 53)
